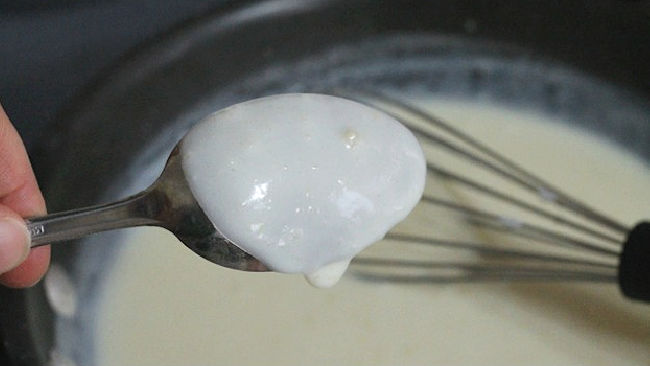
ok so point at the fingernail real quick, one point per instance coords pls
(14, 243)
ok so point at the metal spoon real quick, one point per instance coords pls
(168, 203)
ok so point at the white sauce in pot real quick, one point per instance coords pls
(163, 305)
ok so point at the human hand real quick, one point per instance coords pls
(19, 197)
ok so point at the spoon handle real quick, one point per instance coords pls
(135, 210)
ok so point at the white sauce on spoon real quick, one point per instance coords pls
(303, 182)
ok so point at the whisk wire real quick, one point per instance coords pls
(495, 252)
(516, 173)
(603, 235)
(441, 172)
(477, 273)
(518, 227)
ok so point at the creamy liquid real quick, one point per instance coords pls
(163, 305)
(303, 182)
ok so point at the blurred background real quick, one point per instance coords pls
(51, 48)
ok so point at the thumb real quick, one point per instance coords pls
(14, 242)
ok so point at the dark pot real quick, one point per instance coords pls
(144, 103)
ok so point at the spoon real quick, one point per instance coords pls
(168, 203)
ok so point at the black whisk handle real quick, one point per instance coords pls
(634, 264)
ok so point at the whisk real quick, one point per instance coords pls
(595, 247)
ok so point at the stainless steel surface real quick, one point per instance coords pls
(167, 203)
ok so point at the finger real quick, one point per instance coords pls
(19, 196)
(29, 272)
(14, 243)
(22, 267)
(36, 263)
(18, 187)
